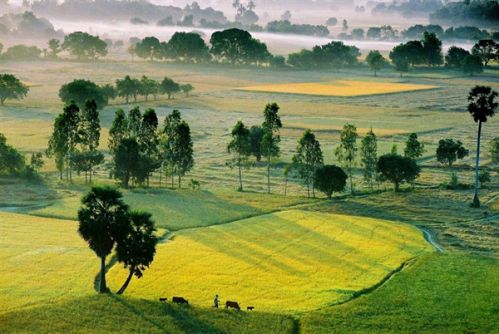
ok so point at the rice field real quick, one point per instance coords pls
(339, 88)
(287, 262)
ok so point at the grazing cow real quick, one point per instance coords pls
(180, 300)
(250, 308)
(164, 300)
(229, 304)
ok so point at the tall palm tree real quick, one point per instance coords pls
(482, 105)
(103, 217)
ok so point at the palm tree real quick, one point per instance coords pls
(482, 105)
(137, 247)
(103, 217)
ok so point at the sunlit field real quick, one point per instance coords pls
(339, 88)
(291, 261)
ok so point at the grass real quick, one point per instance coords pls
(341, 88)
(182, 209)
(291, 261)
(440, 293)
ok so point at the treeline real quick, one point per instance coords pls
(477, 12)
(13, 162)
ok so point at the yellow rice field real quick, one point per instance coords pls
(341, 88)
(286, 262)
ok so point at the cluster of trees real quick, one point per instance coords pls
(286, 27)
(332, 55)
(477, 12)
(139, 147)
(451, 33)
(13, 163)
(107, 223)
(27, 25)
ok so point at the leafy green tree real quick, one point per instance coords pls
(183, 151)
(240, 147)
(449, 151)
(494, 149)
(487, 50)
(128, 87)
(101, 218)
(432, 49)
(237, 46)
(54, 47)
(397, 169)
(171, 123)
(36, 161)
(84, 45)
(149, 48)
(472, 64)
(11, 161)
(369, 156)
(187, 89)
(400, 59)
(482, 106)
(149, 142)
(11, 88)
(169, 87)
(80, 91)
(137, 246)
(118, 130)
(347, 151)
(329, 179)
(376, 61)
(188, 47)
(414, 149)
(455, 57)
(127, 161)
(271, 138)
(308, 158)
(484, 178)
(256, 137)
(148, 87)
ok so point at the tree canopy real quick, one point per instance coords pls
(397, 169)
(84, 45)
(11, 88)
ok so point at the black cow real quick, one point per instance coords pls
(164, 300)
(229, 304)
(180, 300)
(250, 308)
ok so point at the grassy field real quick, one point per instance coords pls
(291, 261)
(441, 293)
(345, 88)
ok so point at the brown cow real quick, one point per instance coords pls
(229, 304)
(180, 300)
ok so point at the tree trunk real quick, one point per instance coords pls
(476, 200)
(172, 181)
(91, 172)
(240, 175)
(268, 174)
(286, 186)
(103, 287)
(308, 188)
(179, 182)
(397, 186)
(125, 285)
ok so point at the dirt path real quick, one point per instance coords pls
(429, 236)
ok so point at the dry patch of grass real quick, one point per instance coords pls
(343, 88)
(289, 261)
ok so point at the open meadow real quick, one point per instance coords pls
(377, 261)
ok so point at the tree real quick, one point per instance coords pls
(397, 169)
(11, 161)
(169, 87)
(237, 46)
(148, 139)
(149, 48)
(128, 87)
(400, 59)
(188, 47)
(347, 151)
(455, 57)
(482, 106)
(183, 151)
(80, 91)
(101, 218)
(487, 50)
(137, 246)
(308, 158)
(329, 179)
(494, 149)
(127, 161)
(36, 161)
(271, 139)
(89, 129)
(432, 49)
(369, 156)
(376, 61)
(472, 64)
(256, 137)
(449, 150)
(187, 89)
(55, 47)
(168, 156)
(414, 149)
(118, 130)
(84, 45)
(240, 147)
(148, 87)
(11, 88)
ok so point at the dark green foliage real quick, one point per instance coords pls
(11, 88)
(432, 49)
(397, 169)
(128, 87)
(136, 247)
(183, 151)
(449, 150)
(286, 27)
(308, 159)
(240, 147)
(332, 55)
(416, 31)
(476, 12)
(103, 217)
(188, 47)
(271, 138)
(494, 149)
(127, 162)
(84, 45)
(236, 46)
(80, 91)
(118, 130)
(148, 87)
(347, 151)
(455, 57)
(169, 87)
(187, 89)
(472, 64)
(11, 161)
(414, 149)
(487, 50)
(376, 61)
(256, 137)
(329, 179)
(369, 156)
(149, 48)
